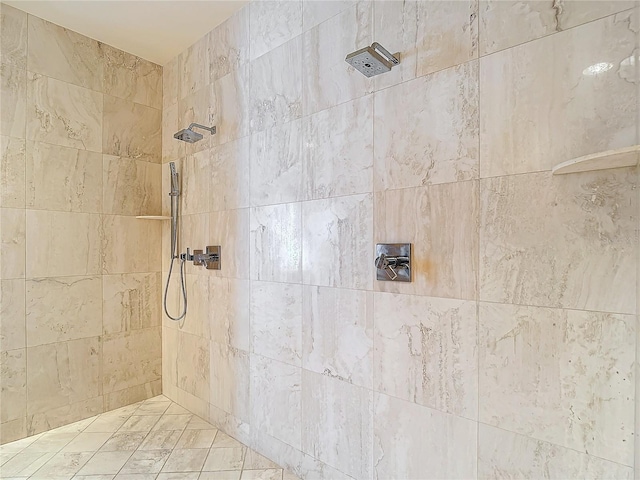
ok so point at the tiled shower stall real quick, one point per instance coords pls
(511, 354)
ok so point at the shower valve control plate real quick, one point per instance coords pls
(393, 262)
(210, 258)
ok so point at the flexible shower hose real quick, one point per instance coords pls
(174, 244)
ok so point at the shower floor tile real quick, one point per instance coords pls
(155, 440)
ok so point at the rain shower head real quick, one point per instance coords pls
(190, 136)
(373, 60)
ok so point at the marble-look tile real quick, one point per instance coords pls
(63, 114)
(272, 23)
(194, 68)
(131, 187)
(63, 308)
(445, 252)
(130, 245)
(172, 149)
(230, 317)
(254, 461)
(276, 86)
(277, 165)
(13, 384)
(131, 301)
(504, 24)
(503, 454)
(315, 12)
(132, 78)
(426, 352)
(337, 242)
(132, 130)
(13, 430)
(540, 110)
(25, 464)
(447, 34)
(337, 333)
(186, 460)
(229, 44)
(229, 176)
(12, 243)
(194, 175)
(178, 476)
(193, 365)
(65, 55)
(65, 414)
(224, 459)
(131, 358)
(171, 82)
(196, 438)
(63, 465)
(105, 462)
(146, 461)
(221, 475)
(223, 440)
(62, 243)
(575, 249)
(62, 178)
(338, 150)
(129, 395)
(12, 315)
(276, 399)
(328, 80)
(63, 373)
(267, 474)
(426, 130)
(231, 105)
(87, 442)
(161, 439)
(339, 426)
(51, 442)
(276, 321)
(122, 441)
(276, 243)
(13, 36)
(198, 107)
(577, 393)
(197, 321)
(414, 442)
(230, 381)
(139, 423)
(13, 93)
(12, 171)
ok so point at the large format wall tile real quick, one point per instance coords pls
(229, 315)
(12, 243)
(230, 230)
(276, 321)
(272, 23)
(426, 130)
(230, 380)
(504, 24)
(503, 454)
(328, 80)
(338, 150)
(132, 130)
(64, 415)
(337, 333)
(574, 248)
(440, 222)
(13, 384)
(194, 176)
(276, 165)
(338, 418)
(132, 78)
(12, 314)
(13, 36)
(276, 243)
(13, 95)
(540, 108)
(229, 176)
(62, 243)
(197, 107)
(131, 301)
(426, 352)
(194, 68)
(62, 178)
(131, 187)
(276, 86)
(193, 365)
(231, 95)
(414, 442)
(562, 376)
(276, 399)
(229, 44)
(130, 245)
(63, 114)
(63, 308)
(12, 172)
(337, 242)
(60, 374)
(64, 55)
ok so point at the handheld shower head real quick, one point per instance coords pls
(189, 136)
(175, 187)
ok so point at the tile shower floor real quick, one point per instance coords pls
(155, 439)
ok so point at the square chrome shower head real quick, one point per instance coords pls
(371, 61)
(188, 135)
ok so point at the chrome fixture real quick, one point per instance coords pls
(210, 258)
(175, 194)
(393, 262)
(373, 60)
(189, 136)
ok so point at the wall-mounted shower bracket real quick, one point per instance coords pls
(393, 262)
(210, 258)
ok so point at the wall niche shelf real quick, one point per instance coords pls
(153, 217)
(618, 158)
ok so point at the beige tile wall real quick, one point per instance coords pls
(511, 354)
(79, 275)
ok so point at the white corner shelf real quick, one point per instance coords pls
(618, 158)
(153, 217)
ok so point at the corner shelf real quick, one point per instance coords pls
(153, 217)
(618, 158)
